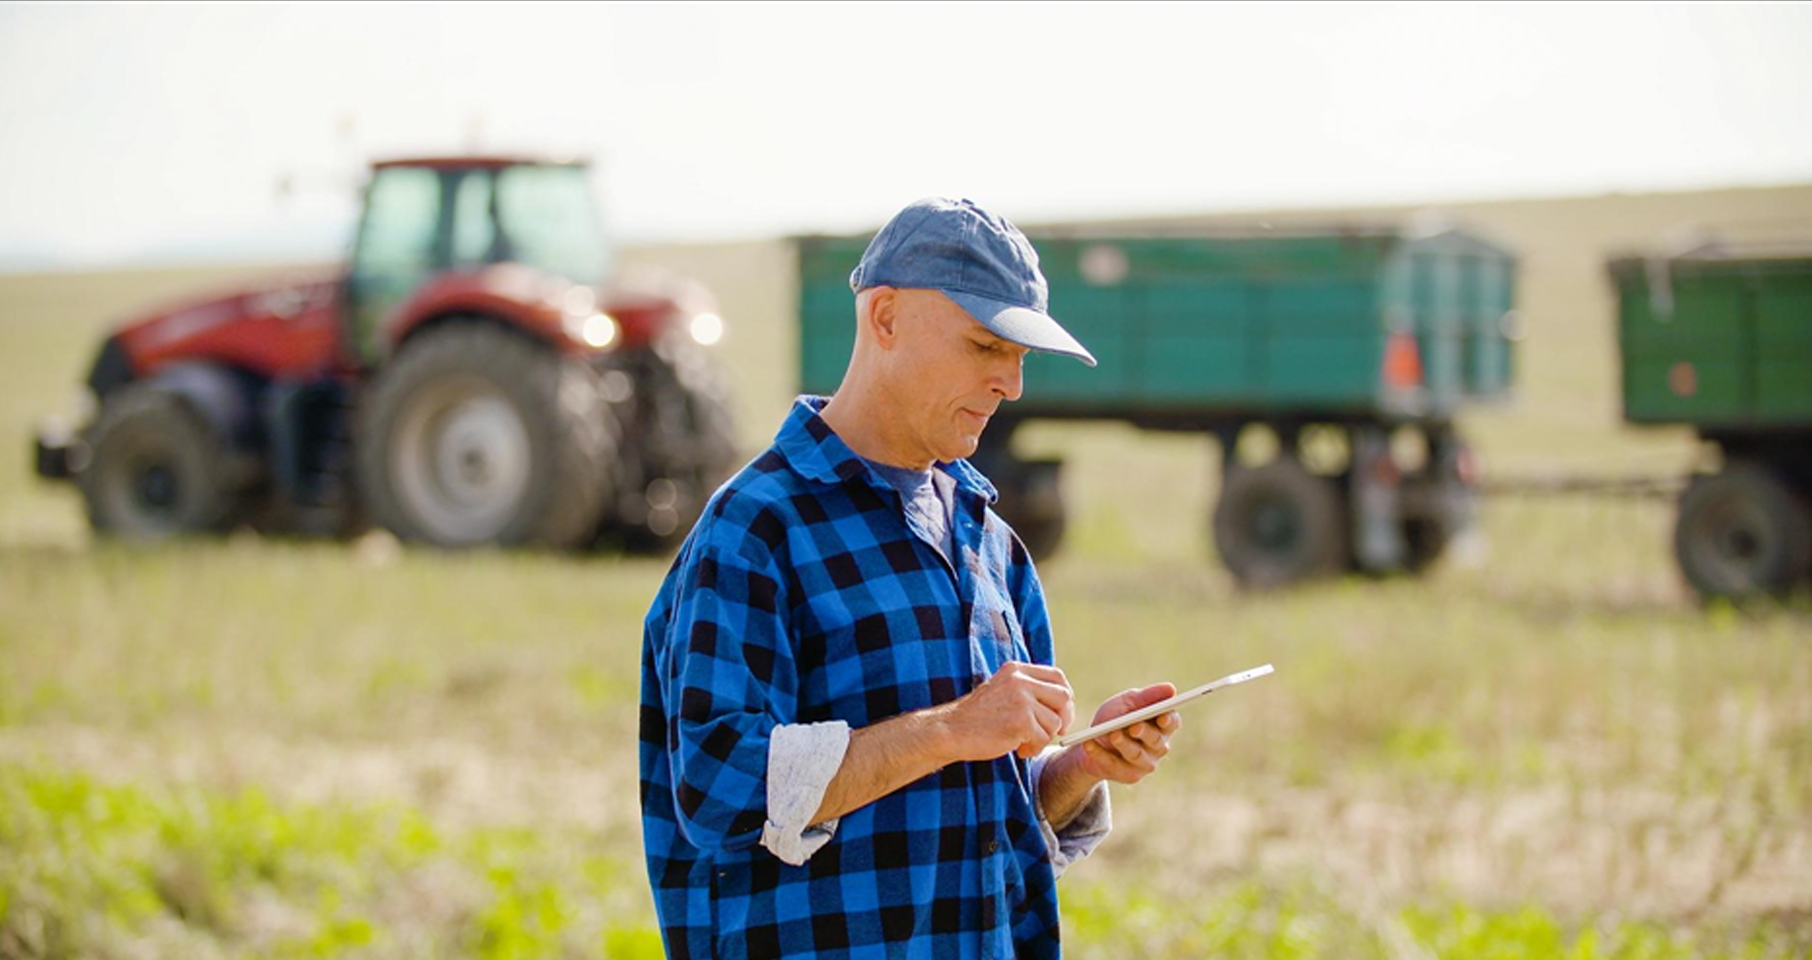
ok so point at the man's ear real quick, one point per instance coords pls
(882, 316)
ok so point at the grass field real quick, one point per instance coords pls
(256, 749)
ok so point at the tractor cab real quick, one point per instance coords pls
(423, 218)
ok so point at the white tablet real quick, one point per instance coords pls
(1160, 708)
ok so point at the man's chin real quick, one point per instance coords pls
(964, 448)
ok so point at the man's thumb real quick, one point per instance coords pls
(1131, 700)
(1146, 696)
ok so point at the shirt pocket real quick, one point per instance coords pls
(995, 626)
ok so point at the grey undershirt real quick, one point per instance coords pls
(929, 499)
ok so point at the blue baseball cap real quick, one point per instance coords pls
(975, 258)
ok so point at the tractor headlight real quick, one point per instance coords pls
(706, 329)
(595, 330)
(600, 330)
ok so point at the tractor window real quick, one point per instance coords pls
(475, 236)
(402, 214)
(547, 219)
(400, 245)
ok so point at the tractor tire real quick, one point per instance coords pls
(702, 398)
(477, 435)
(1742, 532)
(1279, 524)
(1031, 502)
(157, 470)
(679, 443)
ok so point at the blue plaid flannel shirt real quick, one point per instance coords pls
(802, 597)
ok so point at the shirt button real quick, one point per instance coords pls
(993, 845)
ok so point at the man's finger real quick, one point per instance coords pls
(1146, 696)
(1124, 757)
(1050, 692)
(1109, 761)
(1156, 745)
(1048, 674)
(1126, 701)
(1043, 727)
(1105, 759)
(1137, 761)
(1051, 695)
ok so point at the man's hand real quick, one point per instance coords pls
(1018, 710)
(1124, 756)
(1129, 755)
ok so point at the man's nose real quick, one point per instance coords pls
(1010, 380)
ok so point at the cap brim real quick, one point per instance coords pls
(1028, 328)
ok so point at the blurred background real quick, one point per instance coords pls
(306, 736)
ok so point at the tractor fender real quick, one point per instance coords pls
(530, 300)
(224, 398)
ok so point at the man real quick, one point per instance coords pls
(847, 679)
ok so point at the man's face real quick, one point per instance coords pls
(948, 374)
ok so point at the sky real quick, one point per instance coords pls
(160, 133)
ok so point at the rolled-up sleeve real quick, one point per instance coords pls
(1083, 833)
(802, 761)
(731, 680)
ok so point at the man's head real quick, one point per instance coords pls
(949, 301)
(935, 375)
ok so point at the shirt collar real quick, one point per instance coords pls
(815, 452)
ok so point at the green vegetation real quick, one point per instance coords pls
(1302, 920)
(98, 870)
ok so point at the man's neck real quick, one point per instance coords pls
(851, 412)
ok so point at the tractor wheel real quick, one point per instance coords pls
(476, 435)
(678, 443)
(1742, 532)
(702, 396)
(157, 470)
(1278, 523)
(1031, 501)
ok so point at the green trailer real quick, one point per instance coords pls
(1350, 346)
(1721, 341)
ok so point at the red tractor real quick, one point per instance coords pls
(465, 380)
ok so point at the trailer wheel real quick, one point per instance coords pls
(157, 469)
(1424, 540)
(1742, 532)
(1031, 491)
(478, 435)
(1277, 524)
